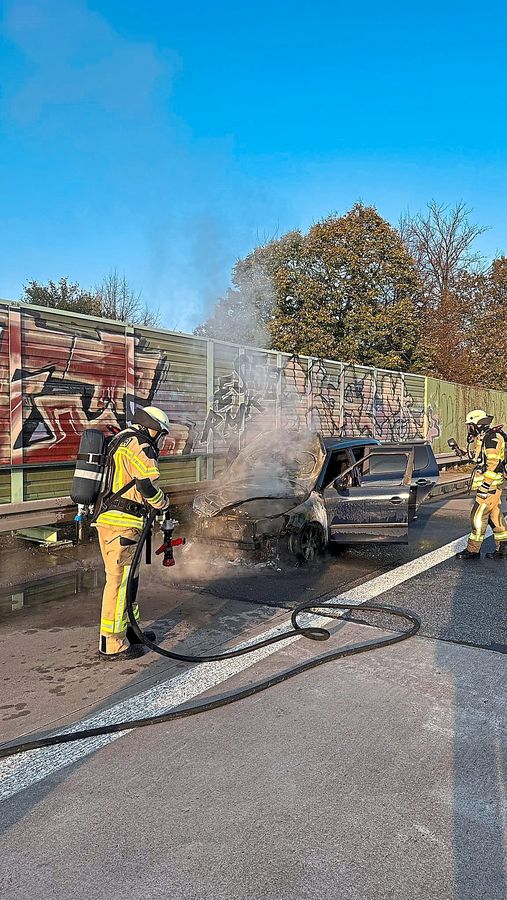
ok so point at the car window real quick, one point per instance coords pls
(337, 464)
(358, 452)
(422, 459)
(389, 467)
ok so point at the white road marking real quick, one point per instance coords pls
(20, 772)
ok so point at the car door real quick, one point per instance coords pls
(377, 505)
(425, 472)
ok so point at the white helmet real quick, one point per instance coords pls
(151, 418)
(478, 420)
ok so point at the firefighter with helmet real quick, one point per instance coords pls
(488, 482)
(130, 488)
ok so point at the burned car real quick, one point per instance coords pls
(307, 492)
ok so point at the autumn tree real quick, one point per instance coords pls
(441, 240)
(245, 314)
(487, 312)
(347, 289)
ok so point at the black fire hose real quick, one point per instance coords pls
(312, 632)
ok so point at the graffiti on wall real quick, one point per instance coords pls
(71, 380)
(59, 376)
(340, 402)
(240, 396)
(381, 405)
(4, 392)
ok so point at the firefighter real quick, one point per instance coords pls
(130, 488)
(488, 481)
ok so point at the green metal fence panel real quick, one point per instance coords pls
(47, 481)
(414, 410)
(294, 391)
(448, 404)
(325, 396)
(358, 401)
(5, 486)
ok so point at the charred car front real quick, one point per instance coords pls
(309, 491)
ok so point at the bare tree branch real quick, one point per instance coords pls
(119, 301)
(441, 242)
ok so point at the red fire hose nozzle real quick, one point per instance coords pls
(167, 550)
(168, 527)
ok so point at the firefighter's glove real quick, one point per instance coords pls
(167, 502)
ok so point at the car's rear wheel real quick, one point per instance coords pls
(309, 543)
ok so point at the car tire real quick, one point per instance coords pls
(309, 543)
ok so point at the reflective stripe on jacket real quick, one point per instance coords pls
(490, 454)
(134, 460)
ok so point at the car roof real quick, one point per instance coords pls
(339, 443)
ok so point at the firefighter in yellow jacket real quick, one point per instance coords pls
(488, 482)
(130, 488)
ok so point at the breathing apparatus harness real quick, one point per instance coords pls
(473, 433)
(330, 609)
(92, 485)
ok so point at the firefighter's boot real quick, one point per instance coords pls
(500, 552)
(467, 554)
(133, 639)
(132, 652)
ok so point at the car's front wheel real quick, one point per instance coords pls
(309, 543)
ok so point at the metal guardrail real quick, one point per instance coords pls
(450, 459)
(33, 513)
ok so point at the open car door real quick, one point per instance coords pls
(373, 500)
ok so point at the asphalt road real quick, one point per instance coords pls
(381, 776)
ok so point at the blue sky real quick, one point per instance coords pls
(165, 139)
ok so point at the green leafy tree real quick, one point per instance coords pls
(63, 294)
(487, 318)
(347, 289)
(113, 298)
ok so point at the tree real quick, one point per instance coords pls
(488, 315)
(111, 299)
(119, 301)
(441, 241)
(246, 312)
(234, 320)
(347, 289)
(62, 295)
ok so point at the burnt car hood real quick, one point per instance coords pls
(276, 466)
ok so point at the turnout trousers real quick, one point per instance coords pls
(117, 546)
(487, 511)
